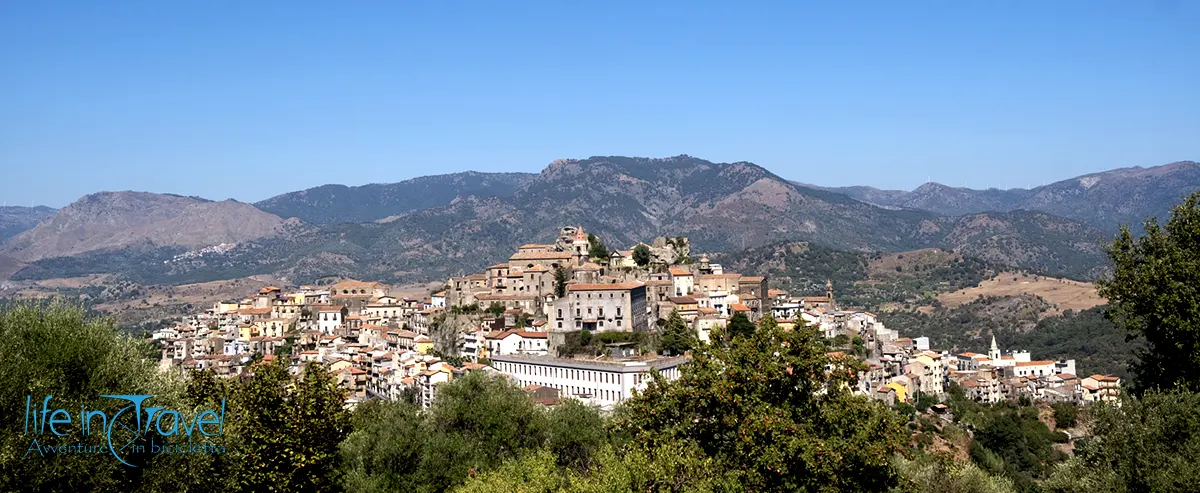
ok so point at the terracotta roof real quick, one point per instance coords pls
(588, 266)
(350, 283)
(706, 310)
(1105, 378)
(540, 256)
(254, 311)
(537, 268)
(752, 279)
(624, 286)
(535, 245)
(440, 293)
(1035, 363)
(816, 299)
(683, 300)
(738, 307)
(268, 289)
(720, 276)
(679, 271)
(776, 292)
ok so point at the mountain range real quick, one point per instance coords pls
(16, 219)
(434, 226)
(1103, 200)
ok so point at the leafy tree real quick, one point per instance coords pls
(740, 326)
(477, 422)
(288, 429)
(1065, 415)
(1154, 294)
(667, 467)
(496, 309)
(676, 337)
(576, 434)
(641, 255)
(925, 401)
(54, 350)
(384, 451)
(1146, 444)
(560, 281)
(596, 248)
(766, 409)
(941, 474)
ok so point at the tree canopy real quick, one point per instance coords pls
(596, 248)
(641, 255)
(1154, 294)
(676, 337)
(766, 409)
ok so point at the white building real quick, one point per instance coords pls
(605, 382)
(1043, 368)
(330, 318)
(517, 342)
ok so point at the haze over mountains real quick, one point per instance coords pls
(434, 226)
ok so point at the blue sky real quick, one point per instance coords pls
(247, 100)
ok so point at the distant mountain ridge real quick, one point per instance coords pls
(479, 218)
(1103, 200)
(332, 204)
(15, 220)
(117, 220)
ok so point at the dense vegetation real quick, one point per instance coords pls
(858, 278)
(1155, 295)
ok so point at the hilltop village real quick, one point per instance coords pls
(572, 320)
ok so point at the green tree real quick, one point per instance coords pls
(677, 337)
(596, 248)
(384, 451)
(496, 309)
(560, 281)
(941, 474)
(767, 409)
(1154, 294)
(1146, 444)
(477, 422)
(576, 434)
(288, 429)
(641, 255)
(668, 467)
(53, 350)
(1065, 415)
(740, 326)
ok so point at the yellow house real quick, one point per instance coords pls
(246, 331)
(901, 391)
(423, 344)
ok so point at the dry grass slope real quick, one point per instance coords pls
(1063, 293)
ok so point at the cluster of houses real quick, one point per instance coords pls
(512, 318)
(904, 369)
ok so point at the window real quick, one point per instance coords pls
(560, 313)
(618, 322)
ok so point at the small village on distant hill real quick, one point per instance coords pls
(573, 320)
